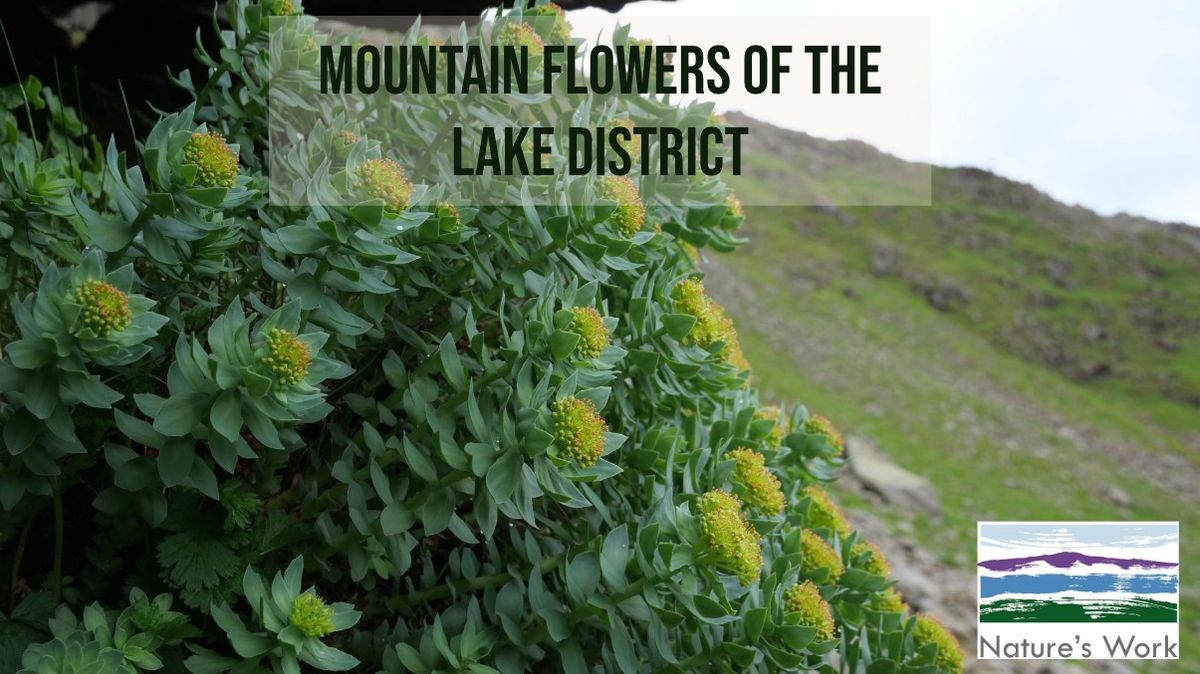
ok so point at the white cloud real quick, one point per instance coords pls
(1094, 102)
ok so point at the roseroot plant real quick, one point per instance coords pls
(496, 438)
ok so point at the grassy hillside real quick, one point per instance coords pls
(1033, 360)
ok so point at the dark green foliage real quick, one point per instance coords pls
(368, 393)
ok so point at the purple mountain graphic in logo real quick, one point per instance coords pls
(1065, 560)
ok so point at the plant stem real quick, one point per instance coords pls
(56, 577)
(480, 582)
(16, 566)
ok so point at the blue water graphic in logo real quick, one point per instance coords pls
(990, 586)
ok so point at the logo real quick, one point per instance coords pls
(1064, 590)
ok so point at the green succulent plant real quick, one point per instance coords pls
(506, 436)
(289, 625)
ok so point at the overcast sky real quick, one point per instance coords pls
(1094, 102)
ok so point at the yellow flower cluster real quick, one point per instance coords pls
(823, 513)
(730, 535)
(579, 429)
(560, 30)
(712, 324)
(817, 554)
(311, 616)
(876, 564)
(384, 179)
(733, 207)
(518, 34)
(891, 601)
(593, 333)
(819, 425)
(216, 163)
(285, 8)
(814, 611)
(759, 487)
(631, 212)
(105, 309)
(949, 656)
(775, 437)
(287, 357)
(346, 138)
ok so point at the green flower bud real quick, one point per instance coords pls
(949, 656)
(775, 437)
(759, 487)
(287, 357)
(814, 611)
(559, 30)
(729, 535)
(579, 429)
(631, 212)
(634, 145)
(311, 616)
(819, 425)
(823, 513)
(216, 163)
(518, 34)
(105, 309)
(445, 209)
(284, 8)
(384, 179)
(346, 138)
(817, 554)
(876, 564)
(593, 333)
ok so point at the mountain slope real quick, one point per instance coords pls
(1033, 360)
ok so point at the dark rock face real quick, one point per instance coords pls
(136, 43)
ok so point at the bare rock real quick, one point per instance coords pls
(888, 481)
